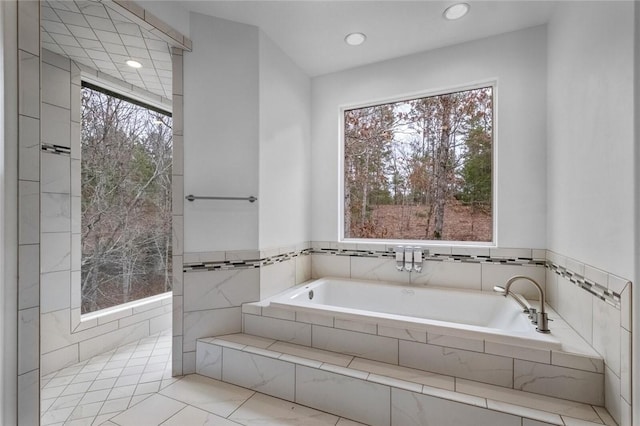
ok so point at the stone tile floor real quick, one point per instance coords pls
(132, 386)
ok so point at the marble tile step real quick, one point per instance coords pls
(275, 368)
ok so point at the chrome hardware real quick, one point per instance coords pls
(192, 197)
(399, 258)
(409, 258)
(533, 315)
(542, 320)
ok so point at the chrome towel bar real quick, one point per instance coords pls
(191, 197)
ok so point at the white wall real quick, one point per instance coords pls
(516, 60)
(221, 106)
(590, 134)
(285, 107)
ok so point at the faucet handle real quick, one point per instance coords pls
(533, 315)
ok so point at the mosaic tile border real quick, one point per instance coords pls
(598, 290)
(387, 253)
(225, 265)
(56, 149)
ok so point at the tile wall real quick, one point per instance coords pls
(28, 211)
(597, 305)
(64, 338)
(216, 284)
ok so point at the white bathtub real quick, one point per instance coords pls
(460, 313)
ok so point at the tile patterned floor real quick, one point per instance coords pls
(132, 386)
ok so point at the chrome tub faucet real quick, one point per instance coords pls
(539, 318)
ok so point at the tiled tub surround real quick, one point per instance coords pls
(65, 337)
(377, 393)
(216, 284)
(499, 364)
(597, 305)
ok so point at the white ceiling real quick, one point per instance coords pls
(312, 32)
(94, 35)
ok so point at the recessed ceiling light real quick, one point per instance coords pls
(355, 39)
(456, 11)
(134, 64)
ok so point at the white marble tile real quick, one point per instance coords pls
(55, 252)
(76, 178)
(582, 386)
(510, 253)
(317, 319)
(568, 421)
(626, 416)
(616, 284)
(60, 358)
(56, 84)
(345, 396)
(396, 383)
(625, 308)
(194, 416)
(574, 266)
(220, 289)
(402, 333)
(612, 400)
(404, 373)
(29, 87)
(214, 322)
(520, 352)
(56, 173)
(551, 291)
(286, 331)
(176, 356)
(409, 409)
(277, 278)
(178, 276)
(76, 215)
(456, 342)
(56, 125)
(55, 59)
(104, 342)
(596, 275)
(153, 410)
(208, 394)
(482, 367)
(312, 353)
(29, 276)
(348, 372)
(520, 411)
(449, 274)
(55, 291)
(303, 268)
(76, 100)
(268, 411)
(526, 399)
(498, 274)
(280, 313)
(605, 416)
(580, 362)
(189, 362)
(530, 422)
(28, 339)
(625, 364)
(28, 23)
(29, 212)
(363, 345)
(330, 266)
(575, 307)
(177, 192)
(28, 397)
(247, 340)
(29, 146)
(266, 375)
(56, 212)
(606, 333)
(358, 326)
(378, 269)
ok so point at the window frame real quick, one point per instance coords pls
(134, 97)
(493, 83)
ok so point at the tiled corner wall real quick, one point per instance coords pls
(66, 339)
(597, 305)
(216, 284)
(177, 193)
(28, 211)
(475, 268)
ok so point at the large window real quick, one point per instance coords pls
(126, 200)
(420, 169)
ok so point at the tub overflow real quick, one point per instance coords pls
(310, 294)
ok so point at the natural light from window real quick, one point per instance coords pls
(421, 169)
(126, 200)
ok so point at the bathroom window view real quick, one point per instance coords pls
(420, 169)
(126, 200)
